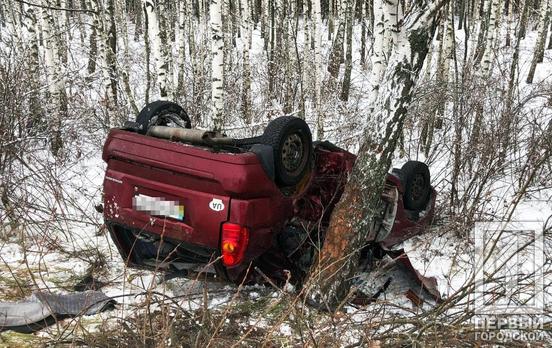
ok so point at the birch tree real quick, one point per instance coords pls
(550, 40)
(154, 37)
(246, 39)
(181, 40)
(106, 47)
(31, 28)
(380, 48)
(492, 29)
(121, 15)
(93, 39)
(538, 55)
(331, 275)
(317, 67)
(56, 83)
(346, 85)
(217, 64)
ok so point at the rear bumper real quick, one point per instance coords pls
(150, 251)
(142, 249)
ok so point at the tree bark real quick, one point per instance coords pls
(317, 24)
(538, 55)
(121, 15)
(492, 30)
(56, 83)
(154, 37)
(33, 62)
(217, 64)
(346, 85)
(331, 276)
(181, 42)
(246, 37)
(550, 40)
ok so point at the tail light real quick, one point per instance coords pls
(234, 243)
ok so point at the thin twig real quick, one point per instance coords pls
(56, 8)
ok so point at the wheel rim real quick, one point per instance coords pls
(417, 187)
(292, 152)
(169, 119)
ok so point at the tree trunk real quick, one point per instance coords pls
(346, 86)
(492, 30)
(363, 34)
(510, 22)
(217, 64)
(106, 56)
(154, 37)
(317, 23)
(147, 48)
(181, 42)
(538, 55)
(331, 276)
(165, 30)
(483, 25)
(93, 53)
(111, 54)
(378, 52)
(122, 18)
(550, 40)
(56, 83)
(246, 37)
(337, 50)
(33, 62)
(524, 14)
(138, 27)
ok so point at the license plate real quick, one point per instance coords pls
(158, 206)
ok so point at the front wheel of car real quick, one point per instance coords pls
(417, 190)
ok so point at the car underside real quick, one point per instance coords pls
(184, 201)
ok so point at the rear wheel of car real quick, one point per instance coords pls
(417, 183)
(162, 113)
(291, 141)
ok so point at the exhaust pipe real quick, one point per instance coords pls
(194, 136)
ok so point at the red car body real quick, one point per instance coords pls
(218, 190)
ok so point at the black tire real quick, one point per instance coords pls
(162, 113)
(291, 141)
(417, 185)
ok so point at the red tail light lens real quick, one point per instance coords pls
(234, 243)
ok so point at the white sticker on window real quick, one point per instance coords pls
(216, 204)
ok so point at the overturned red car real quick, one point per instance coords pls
(187, 201)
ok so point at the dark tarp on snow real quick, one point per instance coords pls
(44, 308)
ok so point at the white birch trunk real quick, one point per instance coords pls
(390, 22)
(378, 52)
(538, 55)
(101, 20)
(121, 14)
(191, 28)
(31, 29)
(55, 81)
(305, 67)
(317, 23)
(265, 21)
(486, 62)
(178, 75)
(510, 23)
(156, 49)
(447, 45)
(217, 64)
(246, 38)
